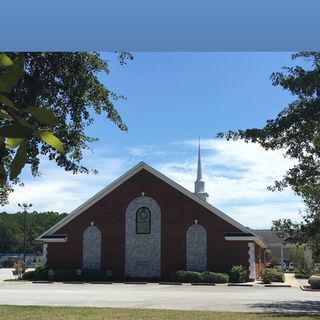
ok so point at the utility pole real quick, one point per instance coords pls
(24, 206)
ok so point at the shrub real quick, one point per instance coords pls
(179, 276)
(41, 272)
(93, 275)
(238, 274)
(272, 275)
(266, 275)
(188, 276)
(64, 275)
(213, 277)
(300, 276)
(314, 282)
(29, 275)
(277, 276)
(192, 276)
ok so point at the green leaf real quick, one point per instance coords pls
(51, 140)
(7, 102)
(15, 131)
(4, 115)
(19, 161)
(43, 115)
(5, 61)
(24, 123)
(14, 142)
(3, 175)
(12, 74)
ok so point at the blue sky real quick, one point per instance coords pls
(172, 98)
(205, 92)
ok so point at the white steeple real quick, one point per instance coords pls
(199, 187)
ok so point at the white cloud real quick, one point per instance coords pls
(236, 174)
(58, 190)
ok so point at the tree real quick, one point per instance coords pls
(46, 102)
(296, 255)
(296, 129)
(12, 230)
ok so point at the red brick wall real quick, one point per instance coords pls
(178, 212)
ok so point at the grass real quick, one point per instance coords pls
(75, 313)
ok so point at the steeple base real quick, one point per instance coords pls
(202, 195)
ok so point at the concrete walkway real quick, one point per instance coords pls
(291, 280)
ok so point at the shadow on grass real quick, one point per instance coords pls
(289, 308)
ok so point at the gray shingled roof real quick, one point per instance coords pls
(269, 236)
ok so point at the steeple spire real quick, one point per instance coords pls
(199, 185)
(199, 172)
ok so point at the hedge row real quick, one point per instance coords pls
(236, 274)
(66, 275)
(197, 277)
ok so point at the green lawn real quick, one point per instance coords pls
(73, 313)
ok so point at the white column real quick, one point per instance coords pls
(44, 253)
(252, 261)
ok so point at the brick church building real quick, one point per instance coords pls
(145, 225)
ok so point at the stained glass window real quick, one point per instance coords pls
(143, 220)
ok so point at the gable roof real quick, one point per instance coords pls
(115, 184)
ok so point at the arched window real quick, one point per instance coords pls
(143, 221)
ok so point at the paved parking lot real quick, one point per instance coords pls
(217, 298)
(6, 273)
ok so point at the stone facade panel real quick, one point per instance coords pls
(91, 248)
(196, 248)
(142, 251)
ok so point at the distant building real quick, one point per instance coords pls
(8, 259)
(279, 249)
(145, 225)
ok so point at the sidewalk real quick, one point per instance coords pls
(291, 280)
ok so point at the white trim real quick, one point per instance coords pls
(53, 240)
(140, 166)
(285, 245)
(256, 239)
(244, 238)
